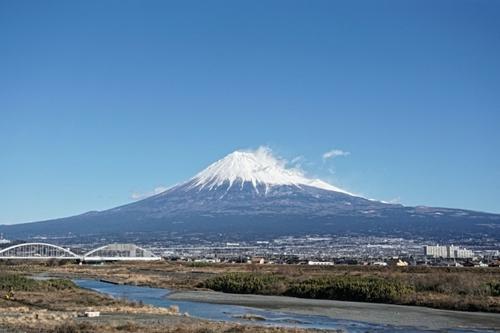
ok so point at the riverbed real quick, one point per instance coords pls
(293, 312)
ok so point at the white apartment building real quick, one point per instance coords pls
(447, 251)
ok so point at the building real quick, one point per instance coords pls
(463, 253)
(435, 251)
(398, 262)
(257, 260)
(447, 251)
(379, 263)
(320, 263)
(208, 260)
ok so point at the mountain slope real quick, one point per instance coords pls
(253, 194)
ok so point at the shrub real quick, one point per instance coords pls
(22, 283)
(198, 264)
(247, 283)
(348, 287)
(494, 287)
(352, 288)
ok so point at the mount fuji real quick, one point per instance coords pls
(252, 194)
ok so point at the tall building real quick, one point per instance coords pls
(435, 251)
(463, 253)
(447, 251)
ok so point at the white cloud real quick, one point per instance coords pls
(156, 190)
(297, 159)
(297, 162)
(335, 153)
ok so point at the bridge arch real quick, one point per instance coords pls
(37, 251)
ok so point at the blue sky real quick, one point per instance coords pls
(100, 100)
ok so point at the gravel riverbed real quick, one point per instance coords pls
(386, 314)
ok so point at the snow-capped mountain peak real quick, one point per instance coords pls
(258, 167)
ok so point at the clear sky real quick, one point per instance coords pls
(103, 101)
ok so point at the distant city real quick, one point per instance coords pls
(311, 250)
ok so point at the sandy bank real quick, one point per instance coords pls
(386, 314)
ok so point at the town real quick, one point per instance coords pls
(311, 250)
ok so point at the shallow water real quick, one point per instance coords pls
(233, 313)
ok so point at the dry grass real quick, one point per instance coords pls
(58, 311)
(192, 327)
(450, 288)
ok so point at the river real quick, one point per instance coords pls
(236, 313)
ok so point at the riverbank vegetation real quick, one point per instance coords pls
(456, 288)
(189, 326)
(440, 290)
(347, 288)
(55, 306)
(15, 282)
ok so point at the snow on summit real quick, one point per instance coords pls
(258, 167)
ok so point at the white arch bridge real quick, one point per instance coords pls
(110, 252)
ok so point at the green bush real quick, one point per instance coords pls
(246, 283)
(351, 288)
(494, 287)
(21, 283)
(198, 264)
